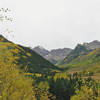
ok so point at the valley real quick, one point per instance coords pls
(68, 79)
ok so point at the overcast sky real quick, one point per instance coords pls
(54, 23)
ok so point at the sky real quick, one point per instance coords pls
(52, 23)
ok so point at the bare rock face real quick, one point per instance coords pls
(41, 51)
(57, 55)
(54, 55)
(92, 45)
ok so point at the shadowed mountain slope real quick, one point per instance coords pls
(27, 59)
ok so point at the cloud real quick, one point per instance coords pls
(55, 23)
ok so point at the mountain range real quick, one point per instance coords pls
(81, 49)
(84, 58)
(53, 55)
(57, 55)
(22, 67)
(92, 45)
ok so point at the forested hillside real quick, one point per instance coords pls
(28, 73)
(25, 75)
(26, 58)
(89, 62)
(82, 59)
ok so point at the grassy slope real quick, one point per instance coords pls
(85, 63)
(88, 62)
(78, 51)
(26, 58)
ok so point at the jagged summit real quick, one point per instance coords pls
(96, 41)
(40, 50)
(53, 55)
(80, 50)
(92, 45)
(40, 47)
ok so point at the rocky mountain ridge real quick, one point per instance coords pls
(80, 50)
(54, 55)
(92, 45)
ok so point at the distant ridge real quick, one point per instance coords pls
(84, 58)
(40, 50)
(92, 45)
(80, 49)
(57, 55)
(54, 55)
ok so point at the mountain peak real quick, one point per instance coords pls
(96, 41)
(53, 55)
(40, 47)
(40, 50)
(92, 45)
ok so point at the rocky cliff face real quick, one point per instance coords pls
(92, 45)
(57, 55)
(41, 51)
(54, 55)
